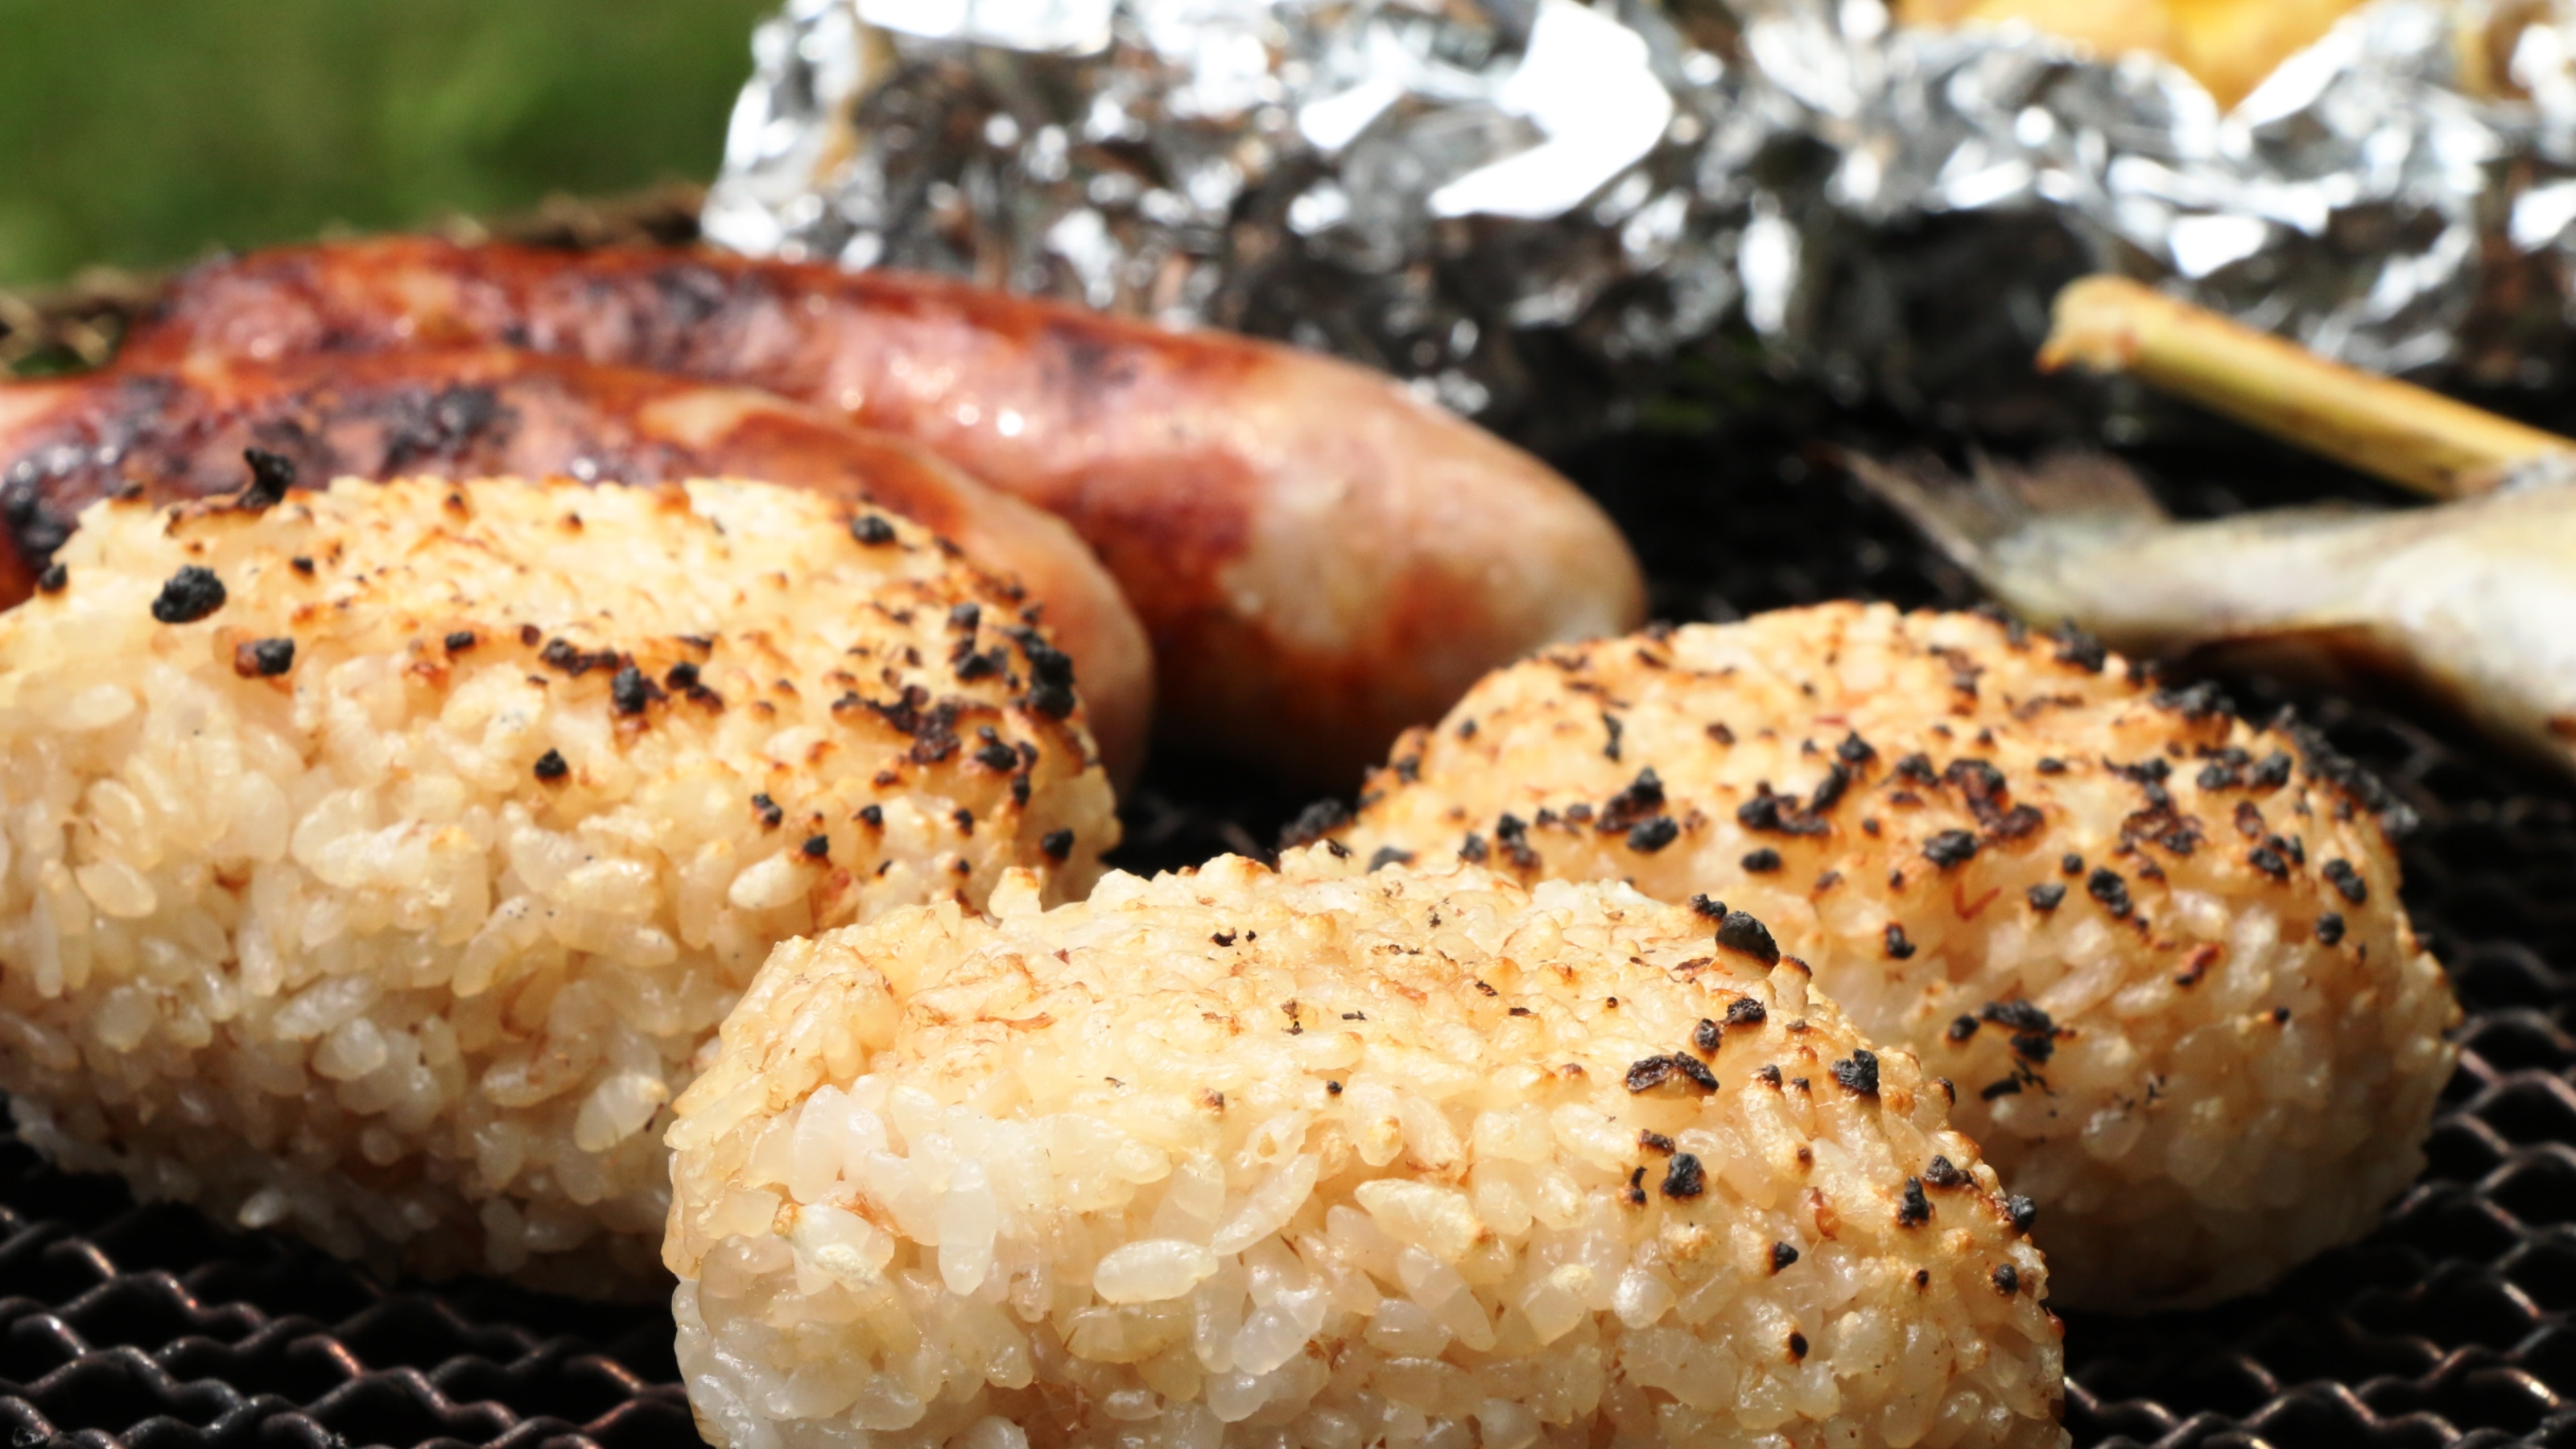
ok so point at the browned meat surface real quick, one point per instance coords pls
(1319, 558)
(180, 432)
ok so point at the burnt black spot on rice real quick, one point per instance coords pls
(1313, 823)
(1858, 1073)
(263, 658)
(1654, 835)
(271, 475)
(190, 595)
(1741, 932)
(2105, 885)
(1685, 1178)
(631, 692)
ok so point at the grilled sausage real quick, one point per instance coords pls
(472, 413)
(1320, 558)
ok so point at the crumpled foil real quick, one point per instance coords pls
(1531, 208)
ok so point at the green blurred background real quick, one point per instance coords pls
(142, 132)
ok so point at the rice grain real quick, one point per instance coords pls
(1318, 1159)
(407, 945)
(2160, 950)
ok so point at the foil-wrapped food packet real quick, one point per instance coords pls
(1530, 208)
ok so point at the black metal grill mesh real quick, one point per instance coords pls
(147, 1327)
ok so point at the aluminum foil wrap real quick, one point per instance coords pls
(1531, 208)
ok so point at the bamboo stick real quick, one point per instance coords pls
(2408, 435)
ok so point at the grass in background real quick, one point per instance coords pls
(138, 133)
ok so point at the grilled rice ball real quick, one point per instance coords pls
(378, 862)
(2160, 951)
(1320, 1158)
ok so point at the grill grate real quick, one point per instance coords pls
(144, 1326)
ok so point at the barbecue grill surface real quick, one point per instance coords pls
(147, 1326)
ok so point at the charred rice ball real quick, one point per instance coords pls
(1318, 1159)
(377, 863)
(2160, 951)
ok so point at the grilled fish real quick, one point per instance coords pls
(2473, 603)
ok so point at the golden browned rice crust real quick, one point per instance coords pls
(1319, 1159)
(376, 864)
(2160, 951)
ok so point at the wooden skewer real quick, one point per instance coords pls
(2410, 436)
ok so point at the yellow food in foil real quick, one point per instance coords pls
(2227, 45)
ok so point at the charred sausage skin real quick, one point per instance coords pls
(492, 412)
(1320, 558)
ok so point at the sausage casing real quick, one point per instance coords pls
(1320, 558)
